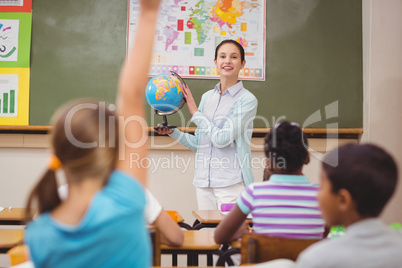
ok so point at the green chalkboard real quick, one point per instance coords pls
(313, 60)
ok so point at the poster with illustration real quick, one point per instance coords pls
(8, 95)
(15, 48)
(15, 40)
(14, 96)
(9, 30)
(16, 5)
(187, 33)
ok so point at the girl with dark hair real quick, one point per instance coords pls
(101, 222)
(285, 204)
(224, 122)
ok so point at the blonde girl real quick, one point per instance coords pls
(101, 223)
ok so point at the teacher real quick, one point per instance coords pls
(221, 141)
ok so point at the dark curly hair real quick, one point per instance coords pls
(287, 141)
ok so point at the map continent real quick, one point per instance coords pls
(164, 85)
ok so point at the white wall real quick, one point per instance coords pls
(382, 82)
(19, 169)
(23, 158)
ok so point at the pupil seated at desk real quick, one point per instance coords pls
(353, 193)
(101, 223)
(285, 203)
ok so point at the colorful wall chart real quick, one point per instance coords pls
(16, 6)
(15, 45)
(14, 96)
(188, 32)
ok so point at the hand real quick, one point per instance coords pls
(149, 5)
(192, 107)
(267, 173)
(163, 131)
(243, 229)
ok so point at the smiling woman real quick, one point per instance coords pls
(224, 120)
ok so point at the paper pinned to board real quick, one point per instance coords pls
(1, 209)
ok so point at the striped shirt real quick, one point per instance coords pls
(285, 206)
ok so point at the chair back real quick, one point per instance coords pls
(18, 254)
(156, 245)
(256, 248)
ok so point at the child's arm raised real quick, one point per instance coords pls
(130, 97)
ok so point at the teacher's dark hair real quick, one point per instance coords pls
(230, 41)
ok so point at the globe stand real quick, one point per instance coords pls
(164, 124)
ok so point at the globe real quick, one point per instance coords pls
(164, 93)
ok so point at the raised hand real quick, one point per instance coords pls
(130, 96)
(150, 5)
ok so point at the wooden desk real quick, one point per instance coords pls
(179, 218)
(207, 218)
(195, 243)
(211, 218)
(10, 238)
(15, 216)
(181, 223)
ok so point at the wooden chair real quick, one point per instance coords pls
(156, 245)
(10, 238)
(256, 248)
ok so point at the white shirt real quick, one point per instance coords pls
(152, 207)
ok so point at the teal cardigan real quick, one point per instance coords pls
(242, 119)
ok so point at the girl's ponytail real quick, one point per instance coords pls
(45, 193)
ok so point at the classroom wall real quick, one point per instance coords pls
(382, 83)
(24, 157)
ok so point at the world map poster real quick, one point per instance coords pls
(189, 31)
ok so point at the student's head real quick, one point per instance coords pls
(358, 186)
(229, 58)
(84, 139)
(285, 149)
